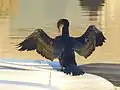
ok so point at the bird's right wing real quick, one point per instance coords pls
(43, 44)
(86, 44)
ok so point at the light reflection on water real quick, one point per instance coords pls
(81, 13)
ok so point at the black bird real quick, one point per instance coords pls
(63, 46)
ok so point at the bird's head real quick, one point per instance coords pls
(62, 23)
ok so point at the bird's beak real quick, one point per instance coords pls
(60, 29)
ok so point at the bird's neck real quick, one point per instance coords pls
(65, 31)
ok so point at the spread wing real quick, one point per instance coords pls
(43, 44)
(86, 44)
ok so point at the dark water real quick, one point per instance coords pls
(44, 14)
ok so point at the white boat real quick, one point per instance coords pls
(43, 75)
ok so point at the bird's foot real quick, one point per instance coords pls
(73, 70)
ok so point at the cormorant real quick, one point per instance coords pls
(63, 46)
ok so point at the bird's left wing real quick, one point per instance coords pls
(86, 44)
(43, 44)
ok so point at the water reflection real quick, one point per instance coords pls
(4, 8)
(92, 7)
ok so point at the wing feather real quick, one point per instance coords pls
(30, 43)
(85, 45)
(42, 43)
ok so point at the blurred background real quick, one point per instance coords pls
(19, 18)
